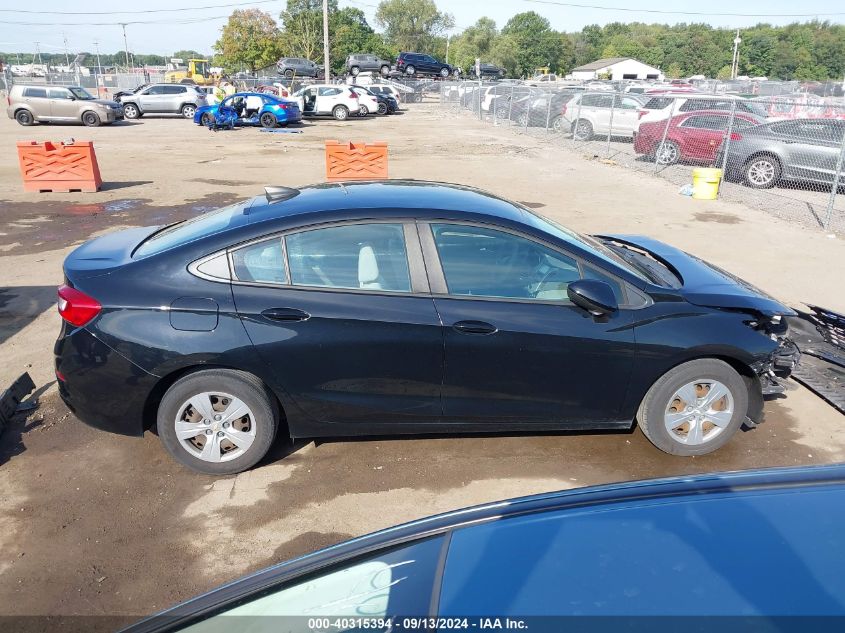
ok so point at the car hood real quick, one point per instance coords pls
(705, 284)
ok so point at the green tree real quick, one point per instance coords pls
(674, 71)
(724, 72)
(476, 41)
(250, 38)
(303, 27)
(187, 54)
(537, 44)
(413, 25)
(349, 33)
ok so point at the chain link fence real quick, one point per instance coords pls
(783, 154)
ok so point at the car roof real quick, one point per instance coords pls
(386, 195)
(737, 113)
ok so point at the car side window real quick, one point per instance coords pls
(263, 262)
(58, 93)
(356, 256)
(38, 93)
(482, 262)
(155, 90)
(328, 92)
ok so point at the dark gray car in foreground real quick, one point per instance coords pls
(802, 150)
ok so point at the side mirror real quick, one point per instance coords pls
(594, 296)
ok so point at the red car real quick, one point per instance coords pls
(692, 136)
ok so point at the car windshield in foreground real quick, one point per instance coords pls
(609, 255)
(80, 93)
(188, 231)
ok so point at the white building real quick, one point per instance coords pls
(616, 68)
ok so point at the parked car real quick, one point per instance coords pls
(364, 62)
(798, 150)
(488, 71)
(385, 103)
(393, 95)
(368, 103)
(589, 113)
(660, 108)
(117, 96)
(293, 307)
(250, 108)
(210, 93)
(421, 64)
(299, 66)
(181, 99)
(691, 136)
(628, 550)
(334, 100)
(59, 104)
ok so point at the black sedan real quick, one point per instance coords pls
(722, 552)
(404, 307)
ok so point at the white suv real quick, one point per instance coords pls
(660, 107)
(590, 113)
(367, 102)
(335, 100)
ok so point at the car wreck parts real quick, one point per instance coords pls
(820, 336)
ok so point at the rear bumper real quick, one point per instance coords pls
(100, 386)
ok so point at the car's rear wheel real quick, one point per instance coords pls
(382, 108)
(410, 71)
(668, 153)
(91, 119)
(384, 70)
(268, 120)
(289, 74)
(24, 117)
(217, 421)
(130, 111)
(582, 130)
(207, 119)
(363, 110)
(695, 408)
(340, 113)
(355, 70)
(763, 172)
(189, 110)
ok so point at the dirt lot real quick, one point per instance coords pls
(94, 524)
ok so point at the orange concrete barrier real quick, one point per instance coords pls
(356, 160)
(50, 166)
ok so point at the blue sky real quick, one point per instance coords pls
(182, 30)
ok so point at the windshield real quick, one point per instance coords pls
(81, 93)
(189, 230)
(558, 230)
(756, 108)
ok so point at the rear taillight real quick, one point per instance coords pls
(76, 307)
(563, 110)
(736, 136)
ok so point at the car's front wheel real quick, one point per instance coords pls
(444, 72)
(695, 408)
(217, 421)
(130, 111)
(207, 119)
(91, 119)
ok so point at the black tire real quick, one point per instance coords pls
(363, 111)
(668, 153)
(90, 118)
(410, 71)
(268, 120)
(340, 113)
(444, 72)
(24, 117)
(582, 130)
(241, 385)
(207, 119)
(382, 108)
(659, 399)
(131, 111)
(188, 110)
(384, 70)
(355, 71)
(289, 74)
(762, 171)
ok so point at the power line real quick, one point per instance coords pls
(698, 13)
(168, 21)
(211, 6)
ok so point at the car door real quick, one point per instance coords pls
(340, 314)
(517, 350)
(63, 106)
(699, 136)
(625, 115)
(327, 98)
(813, 148)
(36, 98)
(173, 98)
(152, 99)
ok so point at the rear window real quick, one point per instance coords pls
(189, 230)
(657, 103)
(35, 92)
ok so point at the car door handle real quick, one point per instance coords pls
(285, 314)
(474, 327)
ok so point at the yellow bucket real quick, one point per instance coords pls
(705, 183)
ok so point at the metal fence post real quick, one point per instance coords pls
(577, 117)
(726, 144)
(510, 105)
(835, 187)
(479, 100)
(548, 110)
(610, 127)
(665, 132)
(527, 116)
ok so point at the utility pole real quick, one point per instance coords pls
(447, 48)
(126, 48)
(99, 67)
(328, 69)
(67, 59)
(735, 60)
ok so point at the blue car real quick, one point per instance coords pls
(249, 108)
(749, 551)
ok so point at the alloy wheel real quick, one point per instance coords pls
(668, 154)
(761, 172)
(698, 412)
(215, 427)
